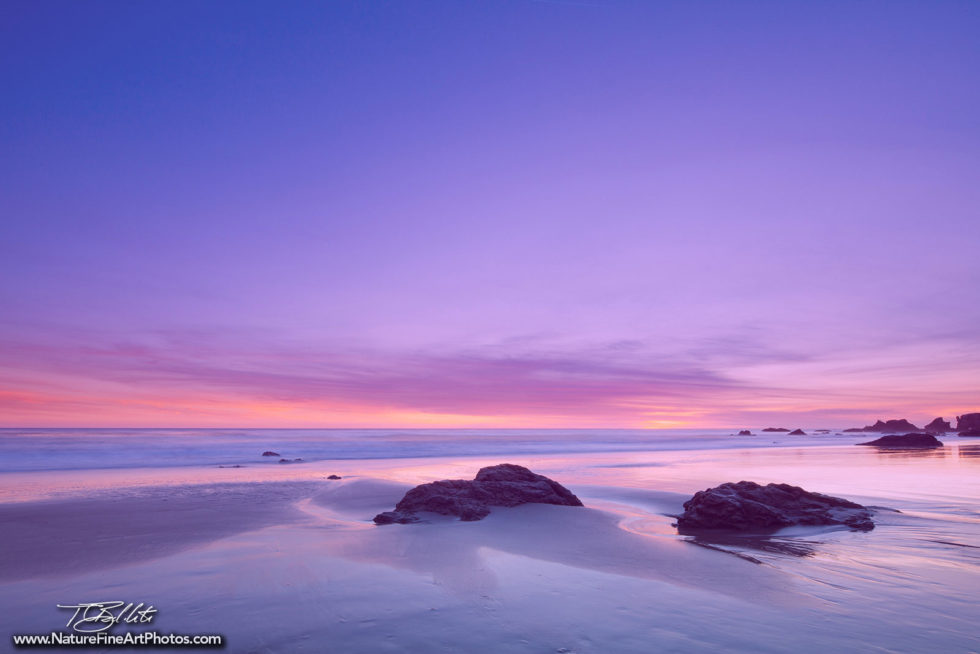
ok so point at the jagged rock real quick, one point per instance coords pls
(889, 426)
(968, 421)
(290, 460)
(971, 432)
(500, 485)
(938, 426)
(906, 441)
(747, 505)
(334, 477)
(745, 432)
(775, 429)
(270, 453)
(797, 432)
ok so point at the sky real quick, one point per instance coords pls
(596, 213)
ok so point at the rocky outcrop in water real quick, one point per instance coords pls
(938, 426)
(500, 485)
(797, 432)
(968, 421)
(745, 432)
(889, 426)
(971, 432)
(906, 441)
(775, 429)
(746, 505)
(270, 453)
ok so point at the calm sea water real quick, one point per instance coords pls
(81, 449)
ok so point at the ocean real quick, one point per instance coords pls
(81, 449)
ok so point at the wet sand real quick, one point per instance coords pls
(294, 564)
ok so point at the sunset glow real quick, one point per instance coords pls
(573, 231)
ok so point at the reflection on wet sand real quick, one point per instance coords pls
(733, 543)
(451, 551)
(910, 452)
(968, 451)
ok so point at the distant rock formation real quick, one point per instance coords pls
(775, 429)
(745, 432)
(290, 460)
(889, 426)
(747, 505)
(971, 432)
(500, 485)
(270, 453)
(334, 477)
(906, 441)
(938, 426)
(797, 432)
(968, 421)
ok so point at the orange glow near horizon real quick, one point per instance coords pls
(38, 409)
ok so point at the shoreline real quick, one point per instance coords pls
(291, 562)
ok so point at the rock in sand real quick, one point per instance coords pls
(500, 485)
(746, 505)
(906, 441)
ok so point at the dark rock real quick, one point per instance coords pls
(290, 460)
(270, 453)
(775, 429)
(500, 485)
(938, 426)
(968, 421)
(747, 505)
(391, 517)
(334, 477)
(971, 432)
(797, 432)
(906, 441)
(889, 426)
(745, 432)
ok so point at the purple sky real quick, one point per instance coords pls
(550, 213)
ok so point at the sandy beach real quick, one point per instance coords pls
(291, 562)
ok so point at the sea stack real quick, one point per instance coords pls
(967, 421)
(898, 426)
(938, 426)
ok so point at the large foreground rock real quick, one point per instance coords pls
(906, 441)
(889, 426)
(747, 505)
(500, 485)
